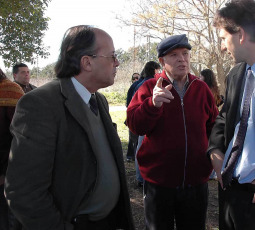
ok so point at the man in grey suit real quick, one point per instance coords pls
(66, 166)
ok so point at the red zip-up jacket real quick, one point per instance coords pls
(173, 152)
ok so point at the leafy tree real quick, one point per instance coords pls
(22, 27)
(48, 71)
(161, 18)
(141, 54)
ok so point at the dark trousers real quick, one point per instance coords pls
(236, 210)
(4, 210)
(132, 144)
(82, 222)
(7, 219)
(165, 207)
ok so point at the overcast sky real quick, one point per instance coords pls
(99, 13)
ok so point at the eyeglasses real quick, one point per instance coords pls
(114, 56)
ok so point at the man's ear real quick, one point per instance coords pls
(161, 61)
(86, 63)
(14, 76)
(242, 36)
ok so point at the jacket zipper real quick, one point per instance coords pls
(185, 131)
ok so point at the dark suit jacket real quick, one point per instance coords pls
(229, 116)
(52, 167)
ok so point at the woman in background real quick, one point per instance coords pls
(10, 93)
(209, 78)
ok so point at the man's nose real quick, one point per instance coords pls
(117, 63)
(223, 47)
(181, 57)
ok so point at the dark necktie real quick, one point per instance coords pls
(238, 145)
(93, 104)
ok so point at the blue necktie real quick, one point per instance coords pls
(93, 104)
(237, 149)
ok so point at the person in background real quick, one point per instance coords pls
(150, 69)
(174, 110)
(209, 78)
(21, 75)
(132, 140)
(232, 145)
(66, 168)
(10, 93)
(135, 77)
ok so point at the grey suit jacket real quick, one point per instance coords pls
(229, 116)
(52, 166)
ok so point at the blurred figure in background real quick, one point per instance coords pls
(209, 78)
(150, 69)
(21, 75)
(135, 77)
(132, 141)
(10, 93)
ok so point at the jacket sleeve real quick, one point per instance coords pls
(213, 112)
(217, 137)
(31, 162)
(142, 115)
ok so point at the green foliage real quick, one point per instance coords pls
(119, 117)
(48, 71)
(22, 27)
(143, 53)
(115, 97)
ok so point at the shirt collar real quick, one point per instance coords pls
(252, 69)
(172, 80)
(81, 90)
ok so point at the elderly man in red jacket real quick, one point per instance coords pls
(176, 112)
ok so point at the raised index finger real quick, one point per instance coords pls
(159, 82)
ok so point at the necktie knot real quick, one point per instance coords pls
(93, 104)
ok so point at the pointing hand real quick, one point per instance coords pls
(161, 94)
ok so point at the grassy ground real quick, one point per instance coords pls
(136, 195)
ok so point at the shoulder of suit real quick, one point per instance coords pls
(238, 67)
(47, 89)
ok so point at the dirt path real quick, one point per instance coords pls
(136, 196)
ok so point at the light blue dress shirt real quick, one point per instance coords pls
(245, 169)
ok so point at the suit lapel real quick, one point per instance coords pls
(239, 83)
(76, 107)
(234, 94)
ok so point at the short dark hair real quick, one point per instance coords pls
(77, 42)
(150, 67)
(15, 68)
(236, 14)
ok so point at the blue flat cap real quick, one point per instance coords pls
(171, 43)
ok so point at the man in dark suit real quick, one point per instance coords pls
(232, 145)
(21, 75)
(66, 166)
